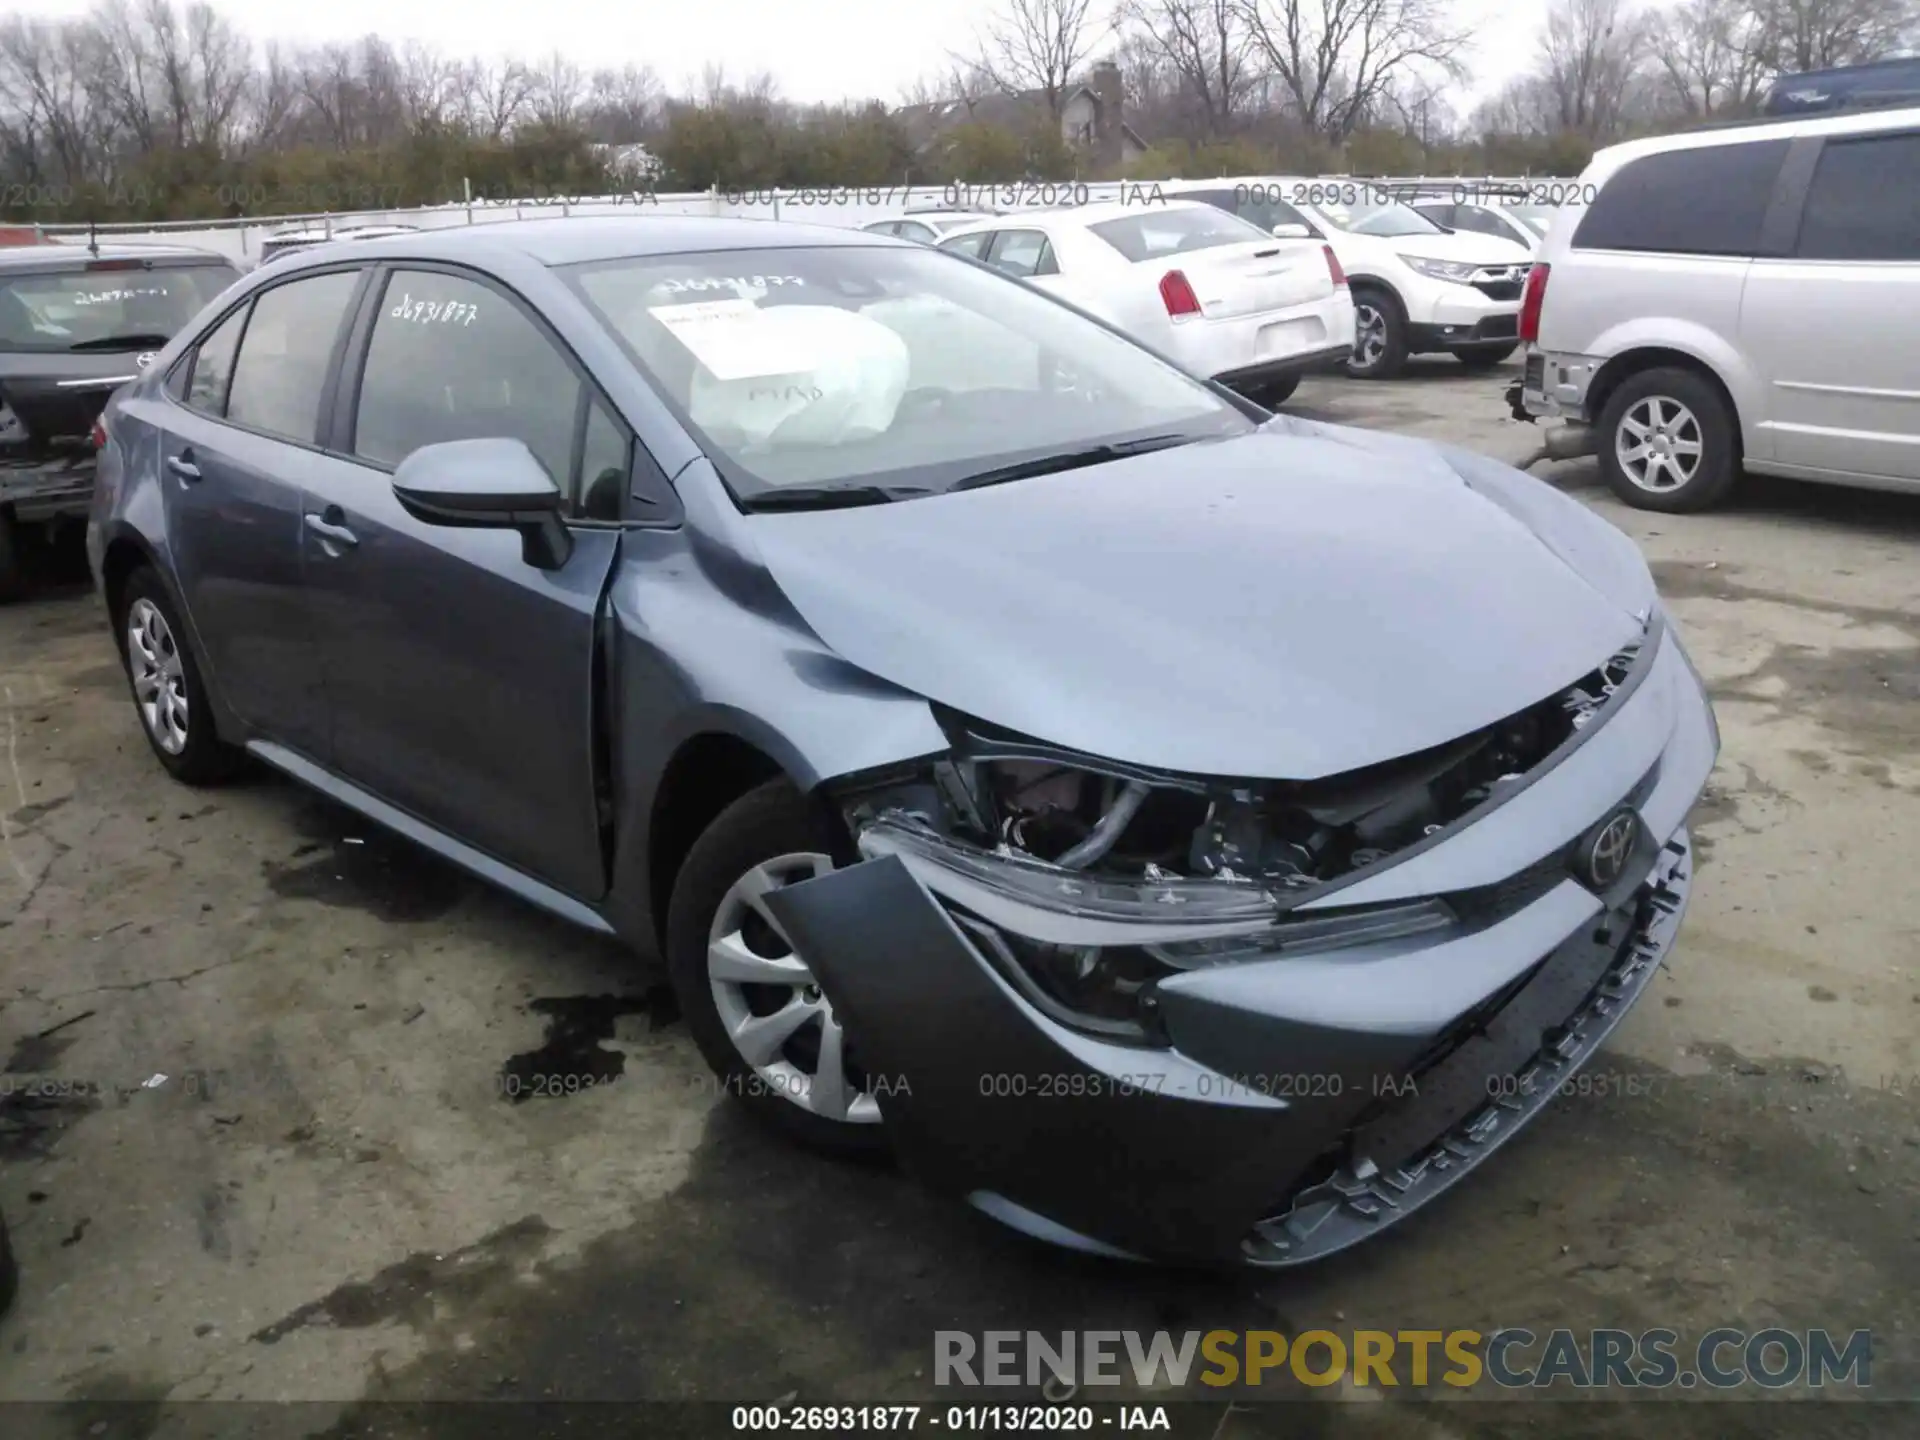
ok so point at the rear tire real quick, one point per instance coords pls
(1379, 335)
(1485, 357)
(768, 836)
(1669, 441)
(13, 575)
(169, 695)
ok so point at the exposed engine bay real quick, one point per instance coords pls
(1012, 798)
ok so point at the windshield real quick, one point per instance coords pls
(92, 308)
(867, 366)
(1386, 218)
(1156, 234)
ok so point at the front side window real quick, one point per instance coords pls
(1157, 233)
(452, 358)
(853, 365)
(1701, 200)
(1864, 203)
(281, 372)
(972, 246)
(109, 306)
(212, 368)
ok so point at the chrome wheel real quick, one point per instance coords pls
(1369, 334)
(159, 678)
(771, 1007)
(1658, 444)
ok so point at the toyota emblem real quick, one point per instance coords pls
(1607, 852)
(146, 358)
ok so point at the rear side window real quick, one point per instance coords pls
(213, 365)
(1864, 203)
(1708, 200)
(1155, 234)
(282, 369)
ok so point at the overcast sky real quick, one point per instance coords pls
(816, 51)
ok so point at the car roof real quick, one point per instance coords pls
(1080, 215)
(62, 254)
(577, 239)
(1787, 127)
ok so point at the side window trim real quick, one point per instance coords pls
(190, 361)
(1786, 210)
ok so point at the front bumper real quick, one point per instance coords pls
(1306, 1100)
(43, 489)
(1460, 335)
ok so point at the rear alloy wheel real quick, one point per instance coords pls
(756, 1010)
(167, 691)
(1379, 336)
(1668, 442)
(1485, 357)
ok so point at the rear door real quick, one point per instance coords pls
(461, 679)
(1830, 324)
(235, 451)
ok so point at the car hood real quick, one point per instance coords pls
(1288, 604)
(1463, 245)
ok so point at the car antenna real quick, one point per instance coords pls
(93, 238)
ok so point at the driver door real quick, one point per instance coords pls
(460, 678)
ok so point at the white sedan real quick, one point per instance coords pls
(1217, 295)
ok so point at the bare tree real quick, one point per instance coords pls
(1039, 46)
(492, 98)
(428, 85)
(47, 79)
(624, 105)
(1815, 34)
(1711, 56)
(1205, 48)
(1589, 54)
(1335, 59)
(559, 87)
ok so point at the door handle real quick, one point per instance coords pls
(329, 531)
(183, 466)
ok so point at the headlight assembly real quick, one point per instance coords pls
(1454, 270)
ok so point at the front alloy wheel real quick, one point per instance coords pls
(773, 1010)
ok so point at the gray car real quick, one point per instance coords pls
(1184, 832)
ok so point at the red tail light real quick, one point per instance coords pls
(100, 433)
(1333, 266)
(1531, 299)
(1178, 296)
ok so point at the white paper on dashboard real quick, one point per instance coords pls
(735, 341)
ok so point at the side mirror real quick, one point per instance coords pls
(1293, 232)
(487, 484)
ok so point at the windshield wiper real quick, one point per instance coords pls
(134, 340)
(1070, 460)
(827, 497)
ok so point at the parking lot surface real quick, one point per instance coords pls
(297, 1150)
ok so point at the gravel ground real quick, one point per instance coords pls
(330, 1199)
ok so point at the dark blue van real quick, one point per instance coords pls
(1850, 87)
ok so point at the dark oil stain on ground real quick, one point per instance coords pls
(409, 1291)
(350, 863)
(36, 1109)
(106, 1406)
(571, 1059)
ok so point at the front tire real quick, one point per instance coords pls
(169, 695)
(1379, 335)
(753, 1006)
(1669, 442)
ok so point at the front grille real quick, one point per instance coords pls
(1498, 289)
(1499, 327)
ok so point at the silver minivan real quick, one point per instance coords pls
(1736, 298)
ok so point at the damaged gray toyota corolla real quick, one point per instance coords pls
(1185, 833)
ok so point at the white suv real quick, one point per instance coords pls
(1739, 296)
(1418, 288)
